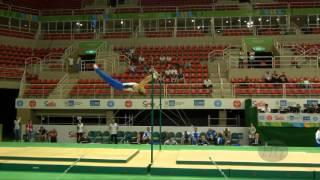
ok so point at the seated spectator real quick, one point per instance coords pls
(252, 132)
(170, 141)
(168, 59)
(185, 138)
(146, 137)
(154, 72)
(180, 77)
(53, 135)
(145, 69)
(203, 141)
(132, 69)
(211, 136)
(42, 134)
(275, 77)
(267, 77)
(317, 137)
(141, 59)
(207, 83)
(266, 109)
(173, 74)
(131, 52)
(162, 59)
(84, 139)
(306, 83)
(298, 108)
(283, 78)
(195, 136)
(167, 73)
(227, 136)
(251, 60)
(160, 78)
(256, 141)
(220, 140)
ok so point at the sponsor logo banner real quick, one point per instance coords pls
(19, 103)
(217, 103)
(289, 120)
(94, 103)
(199, 102)
(110, 103)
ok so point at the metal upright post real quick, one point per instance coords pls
(160, 115)
(152, 116)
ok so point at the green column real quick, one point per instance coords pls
(152, 116)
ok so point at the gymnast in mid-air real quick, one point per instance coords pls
(130, 86)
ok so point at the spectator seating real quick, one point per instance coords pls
(68, 36)
(56, 4)
(190, 33)
(309, 49)
(237, 32)
(117, 35)
(83, 36)
(278, 5)
(195, 53)
(157, 34)
(175, 2)
(40, 87)
(294, 87)
(57, 36)
(269, 31)
(194, 75)
(12, 58)
(17, 34)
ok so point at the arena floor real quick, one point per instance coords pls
(123, 161)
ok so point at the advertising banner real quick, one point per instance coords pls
(302, 120)
(179, 103)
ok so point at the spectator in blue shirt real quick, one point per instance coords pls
(211, 135)
(195, 136)
(220, 140)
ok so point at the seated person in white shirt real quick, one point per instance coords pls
(168, 59)
(266, 109)
(318, 137)
(207, 83)
(141, 59)
(146, 137)
(162, 59)
(170, 141)
(167, 73)
(256, 140)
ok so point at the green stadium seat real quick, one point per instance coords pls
(105, 137)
